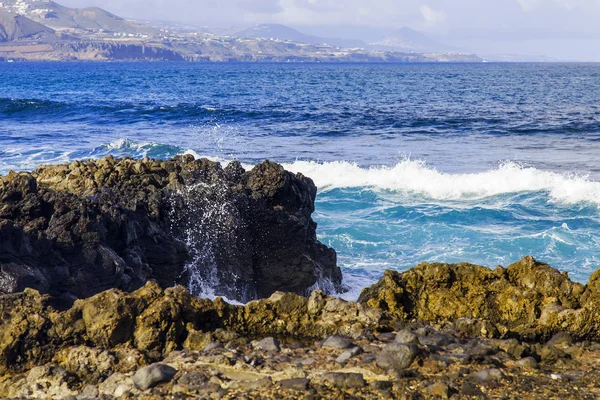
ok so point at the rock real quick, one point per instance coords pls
(79, 229)
(479, 350)
(268, 344)
(337, 342)
(435, 339)
(438, 389)
(527, 363)
(381, 385)
(156, 322)
(498, 302)
(551, 354)
(345, 380)
(406, 336)
(192, 381)
(561, 338)
(295, 384)
(512, 347)
(397, 356)
(213, 346)
(348, 354)
(487, 375)
(152, 375)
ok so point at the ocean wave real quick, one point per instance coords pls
(13, 105)
(416, 177)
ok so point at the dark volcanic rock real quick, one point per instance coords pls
(76, 230)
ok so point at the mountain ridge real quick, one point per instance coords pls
(46, 30)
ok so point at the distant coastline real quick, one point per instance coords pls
(40, 30)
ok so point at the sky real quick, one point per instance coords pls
(562, 29)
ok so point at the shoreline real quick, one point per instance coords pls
(434, 331)
(156, 343)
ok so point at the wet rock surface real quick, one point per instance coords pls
(77, 229)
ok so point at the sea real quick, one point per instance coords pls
(480, 163)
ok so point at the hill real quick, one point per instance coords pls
(407, 39)
(285, 33)
(18, 27)
(59, 17)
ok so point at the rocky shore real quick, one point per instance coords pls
(77, 229)
(406, 338)
(97, 260)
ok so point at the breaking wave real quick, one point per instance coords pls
(416, 177)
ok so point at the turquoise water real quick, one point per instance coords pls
(482, 163)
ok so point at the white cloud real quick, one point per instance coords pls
(432, 17)
(530, 5)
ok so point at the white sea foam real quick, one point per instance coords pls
(417, 177)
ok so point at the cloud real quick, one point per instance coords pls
(530, 5)
(432, 17)
(260, 6)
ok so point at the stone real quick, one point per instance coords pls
(268, 344)
(213, 346)
(381, 385)
(345, 380)
(560, 338)
(487, 375)
(397, 356)
(337, 342)
(551, 354)
(439, 390)
(295, 384)
(527, 363)
(512, 347)
(152, 375)
(435, 339)
(348, 354)
(406, 336)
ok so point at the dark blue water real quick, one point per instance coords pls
(450, 162)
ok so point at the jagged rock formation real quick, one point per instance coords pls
(528, 299)
(76, 230)
(99, 347)
(155, 322)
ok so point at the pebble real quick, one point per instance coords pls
(386, 336)
(397, 356)
(295, 384)
(345, 380)
(560, 338)
(439, 389)
(213, 346)
(528, 363)
(435, 339)
(337, 342)
(381, 385)
(348, 354)
(551, 354)
(268, 344)
(406, 336)
(150, 376)
(487, 375)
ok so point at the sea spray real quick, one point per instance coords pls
(207, 221)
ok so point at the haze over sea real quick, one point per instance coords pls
(482, 163)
